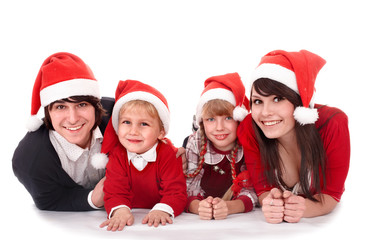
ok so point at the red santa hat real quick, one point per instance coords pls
(127, 91)
(227, 87)
(298, 71)
(61, 75)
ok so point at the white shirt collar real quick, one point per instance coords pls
(73, 151)
(141, 160)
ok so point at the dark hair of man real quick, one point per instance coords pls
(308, 139)
(95, 102)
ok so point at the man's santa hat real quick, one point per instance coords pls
(127, 91)
(227, 87)
(61, 75)
(298, 71)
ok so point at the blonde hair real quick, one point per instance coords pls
(215, 107)
(142, 105)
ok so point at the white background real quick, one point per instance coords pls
(174, 46)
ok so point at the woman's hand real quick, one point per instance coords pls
(294, 207)
(273, 206)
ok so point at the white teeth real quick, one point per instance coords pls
(271, 123)
(74, 128)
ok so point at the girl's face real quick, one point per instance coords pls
(273, 115)
(221, 131)
(138, 131)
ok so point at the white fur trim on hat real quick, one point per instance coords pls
(33, 123)
(215, 93)
(239, 113)
(304, 115)
(162, 109)
(99, 160)
(276, 72)
(65, 89)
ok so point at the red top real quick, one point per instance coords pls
(161, 181)
(333, 129)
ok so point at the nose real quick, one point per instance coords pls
(219, 124)
(133, 129)
(267, 109)
(73, 116)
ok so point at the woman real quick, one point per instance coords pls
(297, 153)
(53, 161)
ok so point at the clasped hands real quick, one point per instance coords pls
(212, 208)
(280, 206)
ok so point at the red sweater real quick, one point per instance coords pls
(161, 181)
(333, 129)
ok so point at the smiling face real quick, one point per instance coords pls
(219, 125)
(273, 115)
(73, 120)
(138, 128)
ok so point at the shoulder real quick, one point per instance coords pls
(165, 148)
(330, 116)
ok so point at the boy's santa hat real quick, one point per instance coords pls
(298, 71)
(127, 91)
(61, 75)
(227, 87)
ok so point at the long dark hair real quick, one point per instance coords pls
(308, 139)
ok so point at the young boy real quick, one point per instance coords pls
(142, 171)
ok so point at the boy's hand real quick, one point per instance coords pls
(155, 217)
(120, 218)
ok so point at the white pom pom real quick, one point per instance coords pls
(306, 115)
(239, 113)
(33, 123)
(99, 160)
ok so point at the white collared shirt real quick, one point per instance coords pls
(76, 161)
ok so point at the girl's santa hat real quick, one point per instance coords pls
(298, 71)
(127, 91)
(227, 87)
(61, 75)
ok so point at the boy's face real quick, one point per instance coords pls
(138, 131)
(73, 121)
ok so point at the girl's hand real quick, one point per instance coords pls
(273, 206)
(220, 208)
(120, 218)
(205, 208)
(155, 217)
(294, 207)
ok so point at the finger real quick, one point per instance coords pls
(292, 219)
(163, 221)
(287, 194)
(169, 220)
(156, 222)
(105, 223)
(272, 202)
(276, 193)
(145, 219)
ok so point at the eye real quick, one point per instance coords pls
(211, 119)
(229, 118)
(59, 107)
(82, 104)
(126, 122)
(144, 124)
(257, 101)
(277, 99)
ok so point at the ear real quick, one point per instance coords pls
(161, 135)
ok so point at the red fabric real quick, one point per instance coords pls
(159, 182)
(333, 129)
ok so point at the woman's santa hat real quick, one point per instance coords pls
(61, 75)
(298, 71)
(227, 87)
(127, 91)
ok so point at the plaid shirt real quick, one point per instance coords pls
(212, 158)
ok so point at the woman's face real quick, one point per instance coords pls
(273, 115)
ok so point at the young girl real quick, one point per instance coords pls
(142, 170)
(215, 159)
(297, 153)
